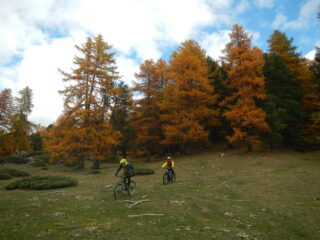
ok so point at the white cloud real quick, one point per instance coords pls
(264, 3)
(307, 13)
(242, 6)
(127, 68)
(8, 76)
(310, 55)
(279, 20)
(214, 43)
(39, 71)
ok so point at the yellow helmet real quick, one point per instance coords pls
(123, 161)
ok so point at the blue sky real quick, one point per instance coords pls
(38, 36)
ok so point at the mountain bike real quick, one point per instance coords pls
(168, 177)
(123, 186)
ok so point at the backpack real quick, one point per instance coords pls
(130, 169)
(169, 164)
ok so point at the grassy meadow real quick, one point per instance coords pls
(261, 195)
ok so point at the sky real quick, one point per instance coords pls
(38, 36)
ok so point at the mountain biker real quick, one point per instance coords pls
(170, 165)
(127, 170)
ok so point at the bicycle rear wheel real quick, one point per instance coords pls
(132, 188)
(118, 191)
(165, 178)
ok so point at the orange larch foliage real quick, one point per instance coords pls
(247, 85)
(152, 79)
(83, 131)
(187, 98)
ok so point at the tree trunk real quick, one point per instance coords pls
(81, 162)
(96, 164)
(250, 147)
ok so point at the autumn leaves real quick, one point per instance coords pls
(182, 103)
(248, 98)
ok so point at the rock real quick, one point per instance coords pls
(90, 229)
(57, 214)
(229, 214)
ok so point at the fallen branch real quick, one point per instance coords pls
(138, 202)
(239, 200)
(147, 214)
(127, 201)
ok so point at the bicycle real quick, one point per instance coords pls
(168, 177)
(123, 186)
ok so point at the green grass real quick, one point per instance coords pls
(241, 196)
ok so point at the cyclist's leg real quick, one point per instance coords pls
(169, 173)
(128, 177)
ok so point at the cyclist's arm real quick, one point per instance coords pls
(172, 163)
(118, 170)
(165, 164)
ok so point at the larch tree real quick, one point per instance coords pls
(6, 108)
(20, 126)
(247, 119)
(280, 45)
(152, 79)
(120, 117)
(186, 107)
(83, 131)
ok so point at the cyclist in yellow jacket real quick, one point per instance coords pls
(127, 170)
(169, 164)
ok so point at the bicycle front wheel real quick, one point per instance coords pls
(118, 191)
(173, 177)
(132, 188)
(165, 178)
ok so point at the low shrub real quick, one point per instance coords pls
(15, 159)
(38, 163)
(7, 173)
(17, 173)
(4, 175)
(42, 182)
(44, 156)
(143, 171)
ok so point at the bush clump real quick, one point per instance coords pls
(4, 175)
(42, 182)
(38, 163)
(14, 159)
(143, 171)
(7, 173)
